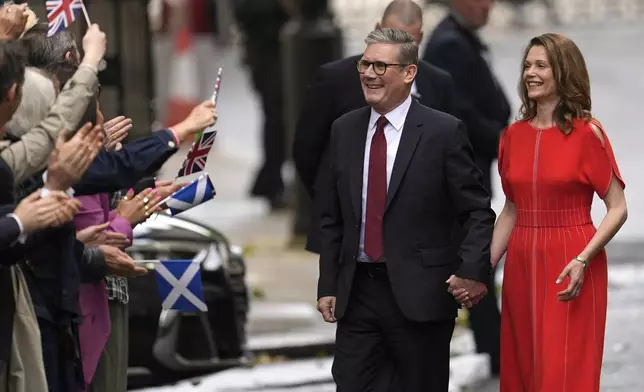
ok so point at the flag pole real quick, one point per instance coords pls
(170, 197)
(213, 98)
(89, 23)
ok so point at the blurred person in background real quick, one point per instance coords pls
(552, 162)
(521, 16)
(260, 22)
(336, 90)
(456, 47)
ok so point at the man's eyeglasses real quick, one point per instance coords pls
(378, 66)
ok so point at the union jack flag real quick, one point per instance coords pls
(198, 154)
(61, 13)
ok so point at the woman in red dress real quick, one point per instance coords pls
(552, 162)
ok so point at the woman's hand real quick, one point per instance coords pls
(136, 208)
(575, 270)
(201, 117)
(96, 235)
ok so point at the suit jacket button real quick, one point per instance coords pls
(172, 145)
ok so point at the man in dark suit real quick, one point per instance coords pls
(336, 90)
(482, 105)
(401, 175)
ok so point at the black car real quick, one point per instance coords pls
(169, 345)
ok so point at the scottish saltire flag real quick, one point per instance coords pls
(191, 195)
(198, 154)
(61, 13)
(179, 285)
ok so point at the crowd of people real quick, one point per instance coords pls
(72, 191)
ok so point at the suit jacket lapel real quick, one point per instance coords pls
(408, 141)
(356, 161)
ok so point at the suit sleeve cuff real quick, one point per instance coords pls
(22, 238)
(175, 136)
(478, 272)
(44, 192)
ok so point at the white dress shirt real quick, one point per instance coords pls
(393, 131)
(414, 90)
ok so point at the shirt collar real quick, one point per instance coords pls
(396, 117)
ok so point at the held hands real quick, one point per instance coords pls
(326, 306)
(120, 264)
(202, 116)
(466, 292)
(37, 213)
(575, 271)
(70, 159)
(96, 235)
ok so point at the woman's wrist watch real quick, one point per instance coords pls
(582, 260)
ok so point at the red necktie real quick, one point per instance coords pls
(376, 192)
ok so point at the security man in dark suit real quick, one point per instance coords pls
(456, 47)
(336, 90)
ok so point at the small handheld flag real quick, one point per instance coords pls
(61, 14)
(191, 195)
(179, 285)
(198, 155)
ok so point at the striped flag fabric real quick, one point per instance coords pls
(198, 191)
(61, 14)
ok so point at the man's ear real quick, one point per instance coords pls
(68, 55)
(411, 72)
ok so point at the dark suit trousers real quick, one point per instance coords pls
(265, 69)
(374, 333)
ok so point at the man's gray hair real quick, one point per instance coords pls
(407, 46)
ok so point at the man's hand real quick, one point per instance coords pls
(94, 46)
(201, 117)
(326, 306)
(467, 292)
(120, 264)
(96, 235)
(70, 159)
(13, 19)
(116, 130)
(37, 213)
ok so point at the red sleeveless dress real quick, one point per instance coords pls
(547, 345)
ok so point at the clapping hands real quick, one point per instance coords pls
(466, 292)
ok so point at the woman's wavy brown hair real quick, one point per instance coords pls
(571, 80)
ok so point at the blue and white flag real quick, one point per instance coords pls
(191, 195)
(179, 285)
